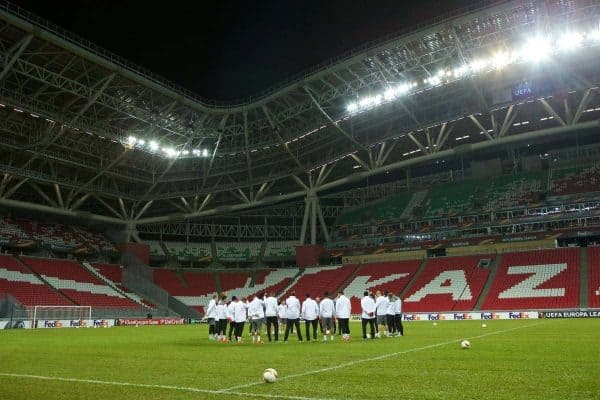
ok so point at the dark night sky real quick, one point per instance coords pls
(234, 49)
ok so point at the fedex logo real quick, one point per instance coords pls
(517, 315)
(489, 315)
(78, 323)
(412, 317)
(461, 317)
(433, 317)
(53, 324)
(100, 322)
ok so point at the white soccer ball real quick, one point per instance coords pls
(269, 375)
(483, 325)
(465, 344)
(435, 324)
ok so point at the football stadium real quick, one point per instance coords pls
(418, 218)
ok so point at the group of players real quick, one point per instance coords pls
(380, 312)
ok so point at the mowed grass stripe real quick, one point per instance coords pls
(381, 357)
(161, 387)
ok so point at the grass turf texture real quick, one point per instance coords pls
(512, 359)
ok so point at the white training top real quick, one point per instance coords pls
(310, 309)
(398, 306)
(271, 306)
(326, 308)
(239, 311)
(255, 309)
(210, 310)
(390, 310)
(221, 311)
(343, 307)
(230, 310)
(381, 305)
(293, 307)
(282, 311)
(367, 304)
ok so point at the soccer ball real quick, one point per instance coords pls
(435, 324)
(465, 344)
(483, 325)
(270, 375)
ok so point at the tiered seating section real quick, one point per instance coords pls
(594, 277)
(18, 281)
(238, 251)
(183, 250)
(390, 208)
(77, 283)
(56, 236)
(318, 280)
(226, 251)
(282, 248)
(114, 273)
(544, 279)
(387, 276)
(96, 240)
(53, 235)
(11, 231)
(573, 180)
(534, 280)
(446, 284)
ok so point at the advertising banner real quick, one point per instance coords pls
(570, 314)
(153, 321)
(465, 316)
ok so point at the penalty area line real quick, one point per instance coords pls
(381, 357)
(153, 386)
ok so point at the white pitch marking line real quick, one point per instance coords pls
(150, 386)
(384, 356)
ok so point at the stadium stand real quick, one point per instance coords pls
(238, 251)
(543, 279)
(282, 248)
(78, 284)
(390, 208)
(317, 280)
(26, 287)
(574, 180)
(183, 250)
(11, 231)
(114, 274)
(446, 284)
(386, 276)
(234, 280)
(56, 236)
(594, 277)
(96, 240)
(511, 191)
(192, 288)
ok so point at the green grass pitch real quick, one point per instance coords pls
(511, 359)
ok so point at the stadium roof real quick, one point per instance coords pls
(85, 133)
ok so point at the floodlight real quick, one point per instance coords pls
(570, 41)
(185, 152)
(536, 50)
(478, 65)
(131, 140)
(352, 107)
(204, 152)
(501, 59)
(389, 94)
(141, 142)
(594, 35)
(153, 145)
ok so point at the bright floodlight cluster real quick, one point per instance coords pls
(170, 152)
(537, 49)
